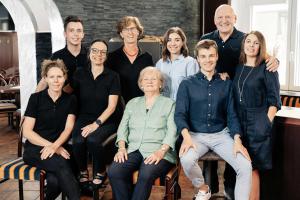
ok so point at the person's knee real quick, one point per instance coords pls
(244, 167)
(187, 161)
(115, 171)
(146, 176)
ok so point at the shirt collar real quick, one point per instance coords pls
(45, 93)
(180, 57)
(83, 50)
(234, 34)
(202, 76)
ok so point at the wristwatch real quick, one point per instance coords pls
(98, 122)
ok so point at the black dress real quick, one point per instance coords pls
(255, 90)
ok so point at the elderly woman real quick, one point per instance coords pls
(256, 92)
(97, 89)
(49, 120)
(146, 139)
(129, 59)
(175, 64)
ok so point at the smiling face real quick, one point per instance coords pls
(207, 59)
(98, 53)
(55, 79)
(74, 33)
(174, 44)
(225, 19)
(130, 34)
(150, 80)
(251, 46)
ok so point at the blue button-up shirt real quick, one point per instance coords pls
(206, 106)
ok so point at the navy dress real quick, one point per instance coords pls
(255, 90)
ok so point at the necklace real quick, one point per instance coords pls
(243, 83)
(128, 54)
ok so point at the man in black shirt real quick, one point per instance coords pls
(228, 39)
(74, 54)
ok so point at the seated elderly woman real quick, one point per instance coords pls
(49, 120)
(146, 139)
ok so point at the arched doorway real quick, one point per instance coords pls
(32, 17)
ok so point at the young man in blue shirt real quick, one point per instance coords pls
(206, 117)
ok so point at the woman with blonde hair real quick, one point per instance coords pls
(49, 120)
(146, 140)
(129, 59)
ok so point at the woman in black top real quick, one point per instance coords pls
(98, 90)
(256, 92)
(129, 60)
(49, 120)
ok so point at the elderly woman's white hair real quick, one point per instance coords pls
(156, 71)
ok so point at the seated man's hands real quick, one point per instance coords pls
(239, 148)
(186, 145)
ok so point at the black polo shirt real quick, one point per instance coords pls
(72, 62)
(50, 117)
(229, 51)
(93, 93)
(128, 72)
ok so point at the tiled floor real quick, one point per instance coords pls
(9, 189)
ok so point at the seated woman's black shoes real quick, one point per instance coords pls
(98, 181)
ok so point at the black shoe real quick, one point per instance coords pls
(101, 178)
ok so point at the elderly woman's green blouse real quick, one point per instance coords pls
(147, 131)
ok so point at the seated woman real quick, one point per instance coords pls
(146, 139)
(97, 89)
(49, 120)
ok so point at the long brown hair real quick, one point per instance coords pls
(262, 53)
(184, 49)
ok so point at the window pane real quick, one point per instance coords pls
(297, 48)
(272, 21)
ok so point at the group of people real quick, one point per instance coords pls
(224, 100)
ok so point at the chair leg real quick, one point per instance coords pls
(63, 196)
(42, 185)
(21, 195)
(96, 195)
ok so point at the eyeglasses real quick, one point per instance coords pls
(96, 51)
(132, 30)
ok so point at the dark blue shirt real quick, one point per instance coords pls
(229, 51)
(206, 106)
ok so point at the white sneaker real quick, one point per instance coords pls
(203, 195)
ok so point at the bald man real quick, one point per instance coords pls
(229, 40)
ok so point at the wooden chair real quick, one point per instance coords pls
(170, 181)
(208, 157)
(8, 109)
(16, 169)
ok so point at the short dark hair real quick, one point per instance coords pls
(93, 42)
(205, 44)
(71, 18)
(184, 49)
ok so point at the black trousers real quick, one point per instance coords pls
(60, 177)
(92, 144)
(120, 176)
